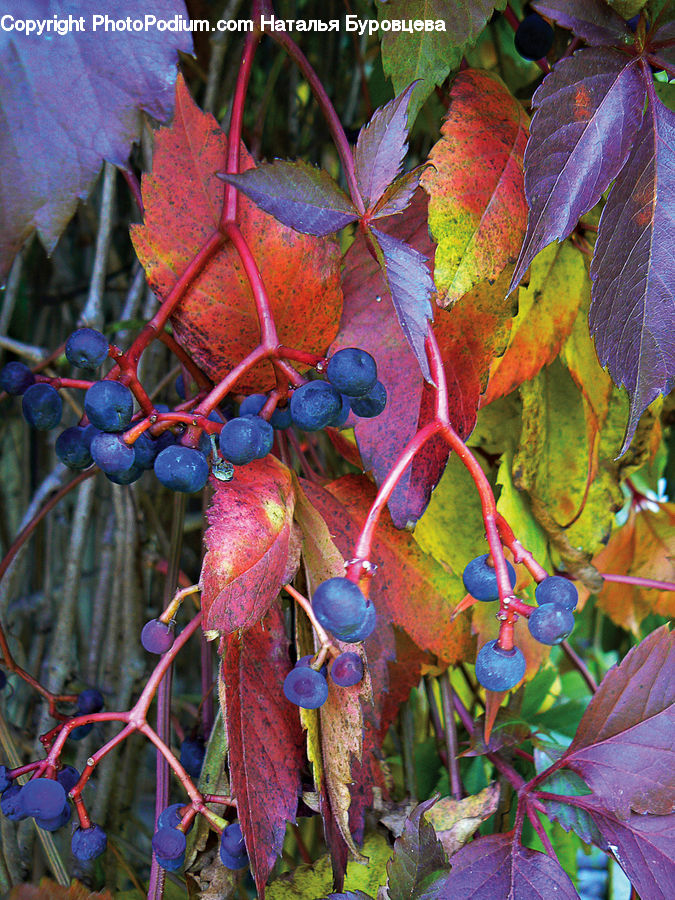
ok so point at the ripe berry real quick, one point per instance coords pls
(306, 687)
(340, 607)
(498, 669)
(11, 803)
(73, 448)
(244, 439)
(156, 637)
(86, 348)
(133, 473)
(171, 817)
(232, 847)
(480, 579)
(145, 450)
(5, 780)
(534, 37)
(169, 848)
(251, 405)
(192, 752)
(88, 843)
(372, 403)
(343, 415)
(182, 469)
(53, 823)
(42, 406)
(43, 797)
(109, 405)
(367, 627)
(89, 701)
(556, 589)
(347, 669)
(81, 732)
(352, 371)
(15, 378)
(306, 660)
(315, 405)
(111, 454)
(281, 418)
(550, 623)
(67, 777)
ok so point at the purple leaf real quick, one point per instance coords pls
(592, 20)
(496, 867)
(398, 195)
(623, 748)
(589, 110)
(632, 315)
(70, 101)
(643, 847)
(411, 288)
(381, 146)
(297, 194)
(567, 784)
(417, 855)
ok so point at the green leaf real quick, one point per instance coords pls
(566, 783)
(418, 857)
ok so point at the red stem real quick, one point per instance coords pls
(639, 581)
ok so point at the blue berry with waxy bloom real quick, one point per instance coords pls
(89, 701)
(11, 803)
(172, 816)
(551, 623)
(109, 405)
(305, 687)
(111, 454)
(73, 448)
(498, 669)
(192, 752)
(182, 469)
(340, 607)
(233, 853)
(315, 405)
(352, 371)
(53, 823)
(480, 579)
(5, 780)
(67, 777)
(371, 404)
(168, 845)
(42, 406)
(15, 378)
(556, 589)
(157, 637)
(244, 439)
(367, 627)
(347, 669)
(87, 348)
(88, 843)
(43, 797)
(127, 477)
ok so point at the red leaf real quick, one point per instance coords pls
(217, 320)
(497, 867)
(266, 743)
(623, 747)
(251, 551)
(52, 147)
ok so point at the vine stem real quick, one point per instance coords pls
(580, 666)
(639, 581)
(306, 606)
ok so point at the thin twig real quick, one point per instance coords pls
(92, 314)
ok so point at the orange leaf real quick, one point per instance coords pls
(50, 890)
(217, 321)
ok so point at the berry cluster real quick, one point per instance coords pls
(341, 608)
(550, 622)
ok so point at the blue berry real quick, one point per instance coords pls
(281, 418)
(340, 607)
(89, 701)
(244, 439)
(43, 797)
(534, 37)
(67, 777)
(86, 348)
(81, 732)
(367, 627)
(251, 405)
(42, 406)
(15, 378)
(88, 843)
(480, 579)
(109, 405)
(315, 405)
(156, 637)
(171, 817)
(182, 469)
(306, 687)
(498, 669)
(168, 845)
(550, 623)
(111, 454)
(232, 847)
(371, 404)
(133, 473)
(11, 803)
(73, 448)
(341, 418)
(53, 823)
(145, 450)
(306, 661)
(556, 589)
(347, 669)
(352, 371)
(5, 780)
(192, 752)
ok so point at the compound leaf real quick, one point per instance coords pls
(588, 111)
(299, 195)
(250, 551)
(632, 314)
(52, 148)
(477, 207)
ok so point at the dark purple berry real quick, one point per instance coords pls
(480, 579)
(156, 637)
(306, 687)
(43, 797)
(5, 780)
(232, 847)
(551, 623)
(371, 404)
(367, 628)
(42, 406)
(315, 405)
(73, 448)
(55, 822)
(340, 607)
(111, 454)
(498, 669)
(81, 732)
(182, 469)
(534, 37)
(109, 405)
(11, 803)
(352, 371)
(88, 843)
(556, 589)
(15, 378)
(192, 752)
(168, 845)
(67, 777)
(87, 348)
(172, 816)
(89, 701)
(244, 439)
(347, 669)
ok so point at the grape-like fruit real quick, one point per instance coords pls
(89, 701)
(352, 371)
(367, 627)
(534, 37)
(171, 817)
(81, 732)
(111, 454)
(55, 822)
(87, 348)
(372, 403)
(88, 843)
(15, 378)
(43, 797)
(306, 661)
(551, 623)
(133, 473)
(244, 439)
(347, 669)
(156, 637)
(145, 450)
(192, 752)
(169, 847)
(498, 669)
(5, 780)
(315, 405)
(480, 579)
(343, 415)
(306, 687)
(232, 847)
(109, 405)
(340, 607)
(11, 803)
(556, 589)
(182, 469)
(67, 777)
(42, 406)
(251, 405)
(281, 418)
(73, 448)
